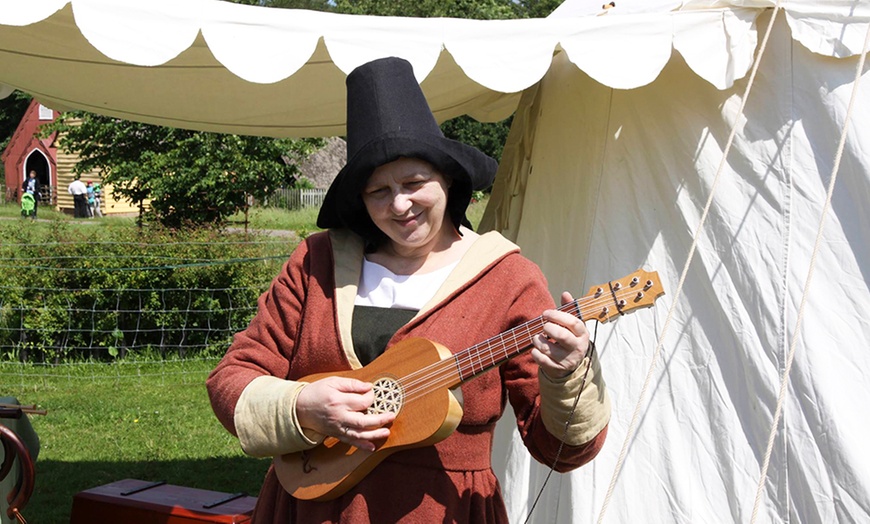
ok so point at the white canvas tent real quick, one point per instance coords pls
(621, 121)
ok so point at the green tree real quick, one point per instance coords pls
(186, 177)
(536, 8)
(488, 137)
(476, 9)
(314, 5)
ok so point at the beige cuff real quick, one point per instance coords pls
(593, 408)
(265, 418)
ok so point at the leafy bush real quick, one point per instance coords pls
(73, 293)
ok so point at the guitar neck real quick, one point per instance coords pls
(601, 303)
(497, 350)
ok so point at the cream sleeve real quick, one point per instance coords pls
(593, 409)
(265, 418)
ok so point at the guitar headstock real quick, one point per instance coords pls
(618, 297)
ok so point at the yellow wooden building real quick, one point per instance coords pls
(27, 152)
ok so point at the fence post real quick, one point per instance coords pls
(290, 198)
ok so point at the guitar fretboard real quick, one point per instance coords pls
(494, 351)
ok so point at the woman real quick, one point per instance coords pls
(399, 261)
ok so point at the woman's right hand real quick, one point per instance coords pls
(336, 406)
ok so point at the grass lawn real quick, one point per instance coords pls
(302, 221)
(47, 215)
(108, 422)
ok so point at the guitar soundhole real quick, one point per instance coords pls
(388, 396)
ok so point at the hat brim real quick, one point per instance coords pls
(469, 168)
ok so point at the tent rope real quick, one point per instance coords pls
(783, 386)
(632, 427)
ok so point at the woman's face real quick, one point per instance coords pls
(407, 200)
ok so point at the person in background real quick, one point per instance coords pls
(79, 191)
(399, 260)
(98, 198)
(91, 199)
(31, 185)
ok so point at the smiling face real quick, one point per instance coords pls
(407, 200)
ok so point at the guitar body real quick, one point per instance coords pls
(330, 469)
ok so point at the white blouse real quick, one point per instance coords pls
(380, 287)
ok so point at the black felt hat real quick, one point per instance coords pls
(388, 118)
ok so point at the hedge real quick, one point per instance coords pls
(72, 292)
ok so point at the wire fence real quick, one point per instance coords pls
(104, 323)
(114, 302)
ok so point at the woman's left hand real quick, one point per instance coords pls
(562, 347)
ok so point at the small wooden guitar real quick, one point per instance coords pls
(414, 379)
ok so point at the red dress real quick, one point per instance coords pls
(302, 327)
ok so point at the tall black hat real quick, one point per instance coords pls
(388, 118)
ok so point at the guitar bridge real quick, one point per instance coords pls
(389, 396)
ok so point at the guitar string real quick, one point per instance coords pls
(443, 372)
(567, 426)
(459, 360)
